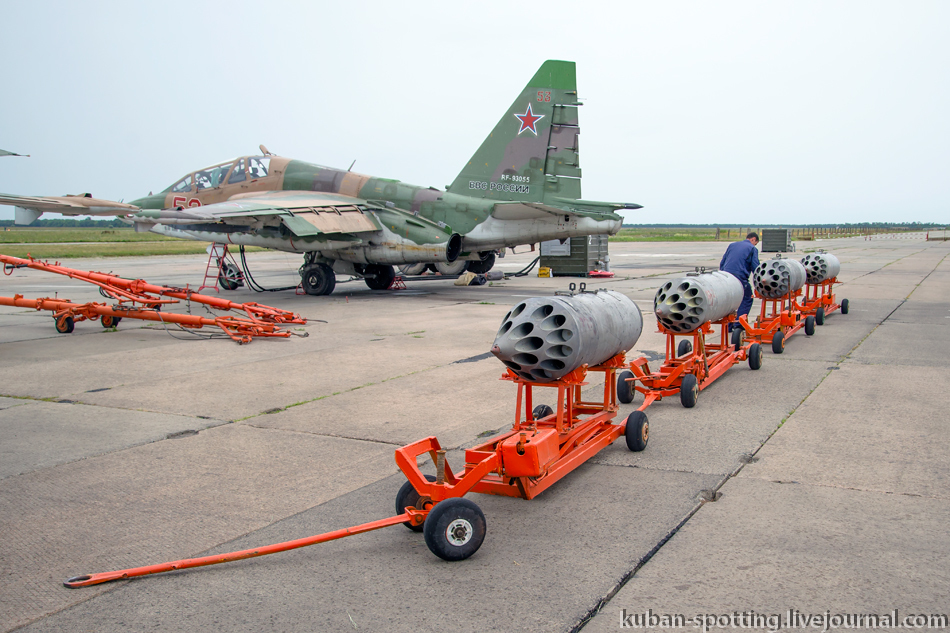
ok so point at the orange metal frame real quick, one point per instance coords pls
(708, 360)
(783, 314)
(138, 299)
(522, 462)
(820, 295)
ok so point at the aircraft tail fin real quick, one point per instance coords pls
(532, 153)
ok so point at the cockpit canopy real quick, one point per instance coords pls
(230, 173)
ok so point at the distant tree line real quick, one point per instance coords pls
(909, 226)
(70, 223)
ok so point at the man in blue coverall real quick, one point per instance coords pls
(740, 259)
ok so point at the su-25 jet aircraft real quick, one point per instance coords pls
(522, 186)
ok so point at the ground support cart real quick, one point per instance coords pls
(778, 319)
(820, 300)
(543, 445)
(691, 365)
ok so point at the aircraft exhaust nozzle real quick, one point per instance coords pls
(777, 278)
(684, 304)
(821, 266)
(545, 338)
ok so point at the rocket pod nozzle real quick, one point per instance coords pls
(821, 266)
(776, 278)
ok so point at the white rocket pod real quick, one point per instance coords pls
(684, 304)
(545, 338)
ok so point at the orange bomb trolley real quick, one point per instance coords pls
(822, 269)
(778, 283)
(544, 444)
(690, 307)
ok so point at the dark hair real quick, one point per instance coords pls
(753, 234)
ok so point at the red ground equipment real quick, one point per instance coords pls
(543, 445)
(138, 299)
(778, 319)
(690, 365)
(822, 269)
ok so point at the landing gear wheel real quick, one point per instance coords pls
(755, 356)
(809, 325)
(109, 321)
(778, 342)
(229, 277)
(454, 529)
(483, 266)
(637, 432)
(689, 391)
(737, 336)
(844, 306)
(684, 348)
(408, 497)
(412, 270)
(625, 390)
(540, 411)
(379, 276)
(455, 268)
(65, 325)
(820, 316)
(318, 279)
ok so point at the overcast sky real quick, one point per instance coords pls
(704, 112)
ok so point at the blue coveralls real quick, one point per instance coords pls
(740, 259)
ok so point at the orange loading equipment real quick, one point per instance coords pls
(820, 300)
(138, 299)
(778, 283)
(543, 446)
(689, 367)
(778, 319)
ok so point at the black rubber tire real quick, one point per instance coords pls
(380, 276)
(626, 393)
(540, 411)
(229, 277)
(689, 391)
(318, 279)
(66, 325)
(407, 496)
(109, 321)
(809, 325)
(484, 265)
(454, 529)
(684, 348)
(755, 356)
(820, 316)
(778, 342)
(844, 306)
(637, 431)
(737, 338)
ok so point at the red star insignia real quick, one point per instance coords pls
(529, 120)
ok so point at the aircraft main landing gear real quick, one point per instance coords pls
(317, 279)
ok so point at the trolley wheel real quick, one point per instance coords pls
(541, 411)
(109, 321)
(778, 342)
(755, 356)
(737, 338)
(844, 306)
(454, 529)
(820, 316)
(684, 348)
(408, 497)
(65, 325)
(689, 391)
(809, 325)
(625, 391)
(637, 431)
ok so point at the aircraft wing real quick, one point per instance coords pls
(28, 208)
(302, 213)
